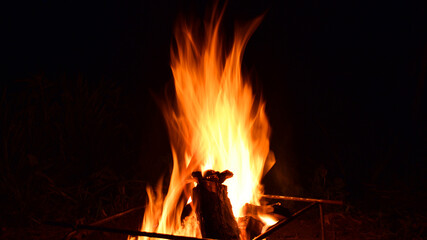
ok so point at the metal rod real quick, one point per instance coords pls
(283, 222)
(110, 218)
(322, 221)
(123, 231)
(303, 199)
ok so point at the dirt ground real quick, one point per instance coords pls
(387, 215)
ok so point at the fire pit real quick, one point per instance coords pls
(248, 226)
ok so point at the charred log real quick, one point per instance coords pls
(281, 210)
(250, 227)
(212, 175)
(213, 207)
(186, 212)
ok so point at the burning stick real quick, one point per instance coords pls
(273, 209)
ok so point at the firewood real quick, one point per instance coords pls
(213, 207)
(224, 176)
(273, 210)
(250, 227)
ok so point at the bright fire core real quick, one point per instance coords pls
(215, 122)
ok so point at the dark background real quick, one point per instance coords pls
(344, 83)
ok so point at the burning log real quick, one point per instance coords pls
(250, 227)
(277, 210)
(213, 207)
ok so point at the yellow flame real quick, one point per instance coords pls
(215, 123)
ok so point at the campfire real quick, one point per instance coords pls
(340, 106)
(219, 136)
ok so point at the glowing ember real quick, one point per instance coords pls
(216, 123)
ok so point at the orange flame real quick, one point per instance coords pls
(216, 124)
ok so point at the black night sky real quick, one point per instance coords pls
(344, 83)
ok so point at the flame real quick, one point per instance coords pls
(215, 122)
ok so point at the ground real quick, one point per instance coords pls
(382, 215)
